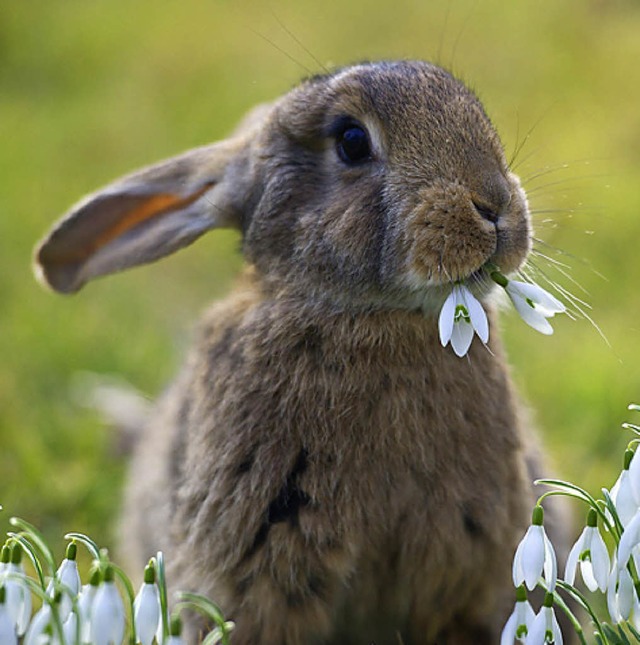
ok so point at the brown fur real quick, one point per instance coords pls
(323, 468)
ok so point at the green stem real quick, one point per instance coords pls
(91, 546)
(582, 601)
(38, 539)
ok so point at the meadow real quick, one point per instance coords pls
(91, 90)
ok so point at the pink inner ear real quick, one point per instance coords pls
(84, 233)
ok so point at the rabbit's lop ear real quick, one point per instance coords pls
(143, 216)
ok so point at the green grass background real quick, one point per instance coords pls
(90, 89)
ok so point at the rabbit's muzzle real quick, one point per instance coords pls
(449, 234)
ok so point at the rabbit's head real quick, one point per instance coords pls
(378, 185)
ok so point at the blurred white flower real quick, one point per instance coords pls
(532, 302)
(629, 540)
(519, 623)
(545, 628)
(620, 593)
(70, 628)
(38, 625)
(85, 604)
(68, 577)
(461, 316)
(591, 553)
(146, 608)
(535, 555)
(622, 494)
(634, 479)
(17, 591)
(107, 613)
(8, 634)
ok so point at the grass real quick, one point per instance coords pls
(89, 91)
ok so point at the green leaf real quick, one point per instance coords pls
(91, 546)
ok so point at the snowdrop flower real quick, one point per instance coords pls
(622, 493)
(591, 552)
(620, 593)
(532, 302)
(39, 624)
(85, 603)
(461, 316)
(17, 591)
(146, 607)
(107, 613)
(629, 541)
(520, 621)
(70, 628)
(535, 555)
(545, 628)
(8, 634)
(634, 479)
(67, 575)
(175, 631)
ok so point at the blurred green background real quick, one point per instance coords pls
(91, 89)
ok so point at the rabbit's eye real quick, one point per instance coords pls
(352, 144)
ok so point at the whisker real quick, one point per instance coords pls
(282, 51)
(298, 42)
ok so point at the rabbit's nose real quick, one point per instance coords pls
(486, 212)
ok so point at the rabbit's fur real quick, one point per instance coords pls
(323, 468)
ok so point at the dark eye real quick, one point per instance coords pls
(352, 144)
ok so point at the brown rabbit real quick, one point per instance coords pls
(323, 468)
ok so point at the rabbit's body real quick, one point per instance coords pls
(370, 483)
(323, 468)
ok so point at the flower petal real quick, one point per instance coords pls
(7, 627)
(509, 630)
(461, 337)
(445, 321)
(147, 613)
(600, 560)
(634, 479)
(538, 629)
(572, 560)
(477, 314)
(550, 563)
(628, 541)
(625, 594)
(623, 498)
(530, 315)
(555, 628)
(542, 300)
(533, 556)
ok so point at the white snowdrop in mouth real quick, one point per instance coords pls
(462, 315)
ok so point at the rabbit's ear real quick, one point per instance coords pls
(143, 216)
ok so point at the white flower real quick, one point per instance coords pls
(591, 552)
(18, 594)
(70, 628)
(8, 634)
(461, 316)
(634, 479)
(629, 541)
(623, 497)
(85, 603)
(534, 304)
(519, 623)
(146, 608)
(545, 628)
(68, 577)
(39, 623)
(107, 613)
(620, 593)
(535, 555)
(175, 632)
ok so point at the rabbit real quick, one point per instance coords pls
(322, 467)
